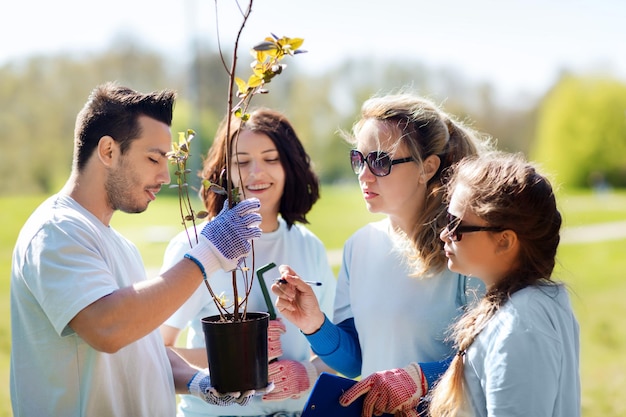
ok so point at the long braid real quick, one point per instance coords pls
(507, 192)
(449, 397)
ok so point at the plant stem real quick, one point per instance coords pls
(180, 206)
(231, 83)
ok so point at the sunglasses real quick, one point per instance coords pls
(378, 162)
(455, 229)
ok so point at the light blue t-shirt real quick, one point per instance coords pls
(526, 360)
(399, 318)
(296, 247)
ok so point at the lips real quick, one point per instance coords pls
(152, 192)
(258, 187)
(367, 194)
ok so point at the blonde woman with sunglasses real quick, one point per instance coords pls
(395, 296)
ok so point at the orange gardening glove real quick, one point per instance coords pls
(397, 392)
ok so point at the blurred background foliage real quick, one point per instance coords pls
(577, 130)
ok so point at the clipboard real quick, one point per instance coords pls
(324, 398)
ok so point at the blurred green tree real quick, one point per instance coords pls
(41, 95)
(581, 132)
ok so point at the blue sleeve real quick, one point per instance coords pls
(338, 346)
(433, 370)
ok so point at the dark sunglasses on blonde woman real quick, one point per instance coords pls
(379, 162)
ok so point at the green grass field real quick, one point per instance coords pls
(594, 272)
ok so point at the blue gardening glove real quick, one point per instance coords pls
(200, 386)
(227, 237)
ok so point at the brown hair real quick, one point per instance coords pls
(113, 110)
(426, 130)
(506, 192)
(301, 183)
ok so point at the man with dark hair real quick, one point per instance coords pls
(84, 318)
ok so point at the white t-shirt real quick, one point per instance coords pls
(64, 260)
(400, 319)
(296, 247)
(526, 360)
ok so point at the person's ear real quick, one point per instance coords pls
(430, 166)
(507, 242)
(106, 150)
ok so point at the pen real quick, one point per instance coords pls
(312, 283)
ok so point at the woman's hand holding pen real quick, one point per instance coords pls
(297, 302)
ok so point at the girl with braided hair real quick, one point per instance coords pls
(518, 348)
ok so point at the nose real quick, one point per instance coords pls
(445, 235)
(164, 175)
(254, 167)
(252, 170)
(366, 175)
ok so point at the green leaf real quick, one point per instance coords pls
(295, 43)
(264, 46)
(255, 81)
(235, 197)
(217, 189)
(242, 87)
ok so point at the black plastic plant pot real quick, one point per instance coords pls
(237, 352)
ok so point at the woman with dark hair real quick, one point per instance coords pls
(298, 189)
(268, 162)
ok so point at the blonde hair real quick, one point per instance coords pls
(426, 130)
(507, 192)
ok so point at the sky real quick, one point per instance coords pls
(518, 45)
